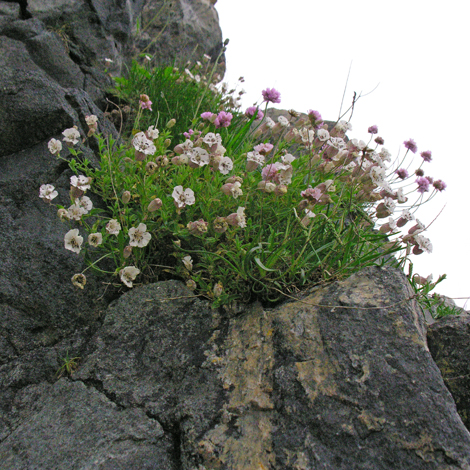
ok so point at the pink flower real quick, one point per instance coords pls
(263, 149)
(315, 118)
(373, 130)
(207, 116)
(188, 134)
(271, 95)
(411, 145)
(270, 172)
(145, 102)
(402, 173)
(426, 155)
(423, 185)
(252, 110)
(439, 185)
(223, 119)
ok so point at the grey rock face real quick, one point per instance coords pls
(449, 343)
(340, 379)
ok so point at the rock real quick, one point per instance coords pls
(339, 379)
(449, 344)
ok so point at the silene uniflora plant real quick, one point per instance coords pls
(239, 206)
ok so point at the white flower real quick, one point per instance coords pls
(95, 239)
(285, 174)
(143, 145)
(241, 217)
(343, 126)
(199, 156)
(139, 236)
(236, 190)
(55, 146)
(401, 198)
(407, 215)
(188, 262)
(269, 187)
(423, 243)
(152, 133)
(183, 197)
(71, 135)
(81, 182)
(91, 120)
(188, 73)
(85, 203)
(75, 212)
(282, 120)
(269, 122)
(186, 145)
(323, 134)
(225, 165)
(47, 192)
(73, 241)
(254, 159)
(337, 143)
(392, 224)
(377, 175)
(307, 135)
(389, 204)
(211, 139)
(108, 61)
(385, 155)
(128, 274)
(113, 227)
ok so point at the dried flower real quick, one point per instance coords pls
(79, 280)
(198, 227)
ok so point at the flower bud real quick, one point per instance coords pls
(281, 189)
(155, 205)
(191, 284)
(167, 143)
(218, 289)
(170, 123)
(126, 197)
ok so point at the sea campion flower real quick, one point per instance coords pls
(128, 274)
(404, 218)
(422, 244)
(79, 280)
(402, 173)
(188, 263)
(75, 212)
(54, 146)
(439, 185)
(373, 130)
(113, 227)
(423, 185)
(139, 236)
(145, 102)
(223, 119)
(73, 241)
(237, 219)
(426, 155)
(198, 227)
(252, 111)
(71, 135)
(85, 203)
(271, 95)
(253, 161)
(323, 135)
(80, 182)
(143, 146)
(225, 165)
(411, 145)
(95, 239)
(152, 133)
(47, 192)
(283, 121)
(183, 197)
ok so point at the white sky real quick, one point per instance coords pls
(415, 50)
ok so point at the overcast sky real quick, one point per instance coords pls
(416, 51)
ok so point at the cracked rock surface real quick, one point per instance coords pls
(341, 379)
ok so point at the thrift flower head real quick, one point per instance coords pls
(252, 111)
(379, 140)
(139, 236)
(47, 192)
(315, 118)
(189, 133)
(54, 146)
(208, 116)
(71, 135)
(269, 172)
(113, 227)
(263, 149)
(423, 185)
(411, 145)
(145, 102)
(183, 197)
(426, 155)
(439, 185)
(223, 119)
(271, 95)
(128, 274)
(73, 241)
(402, 173)
(373, 130)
